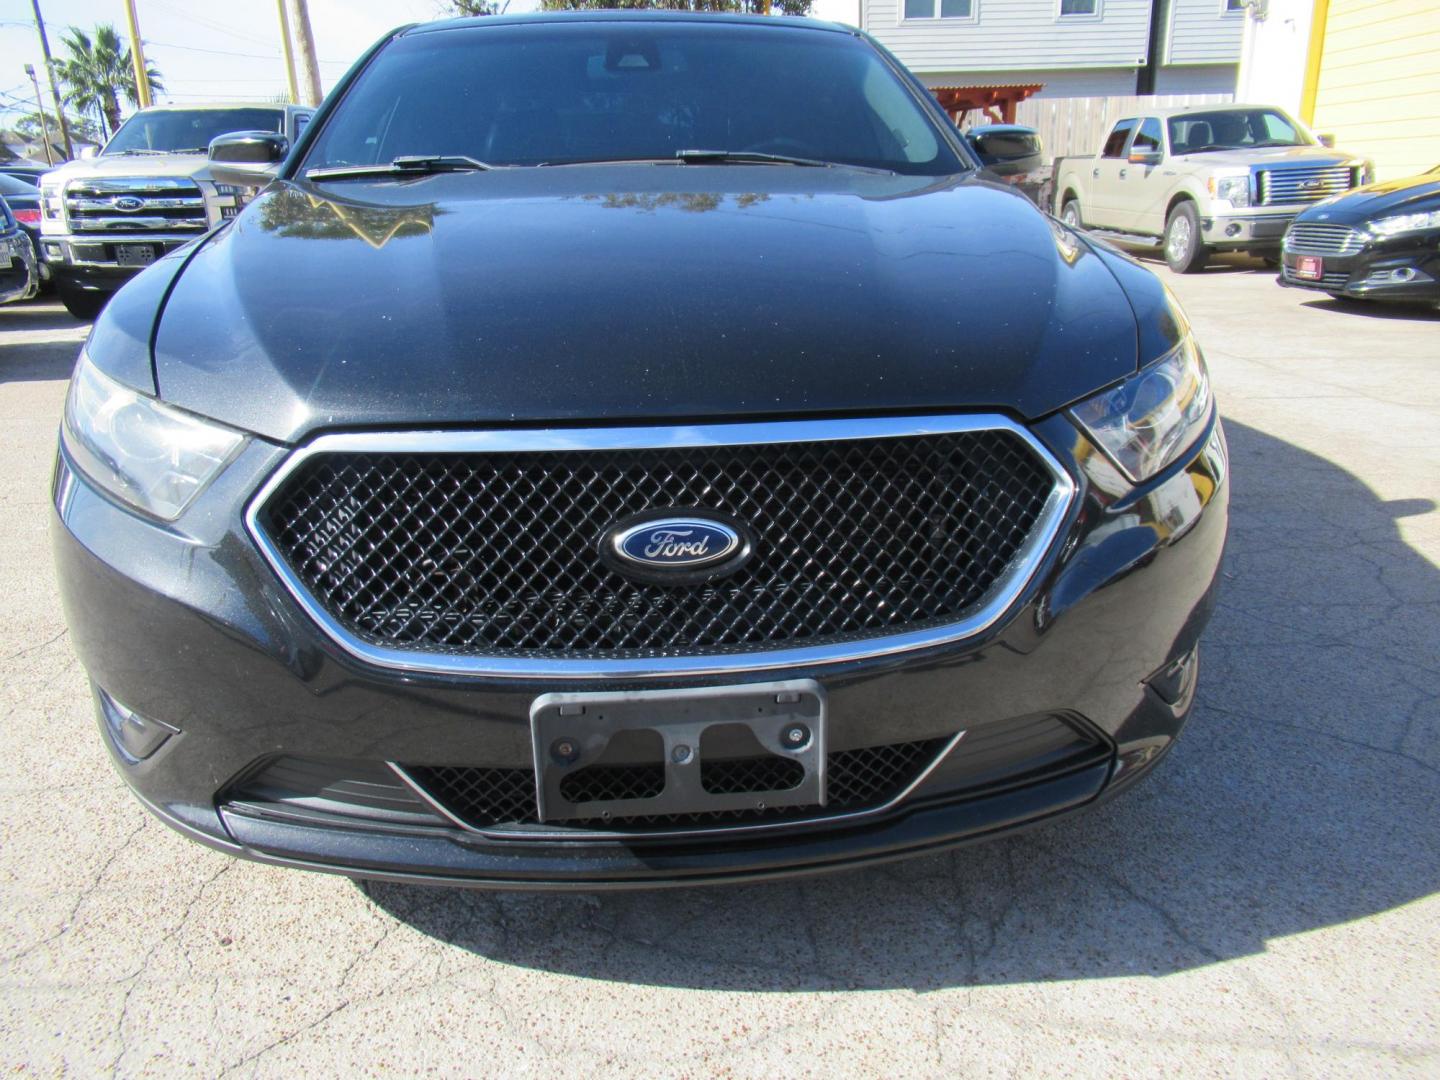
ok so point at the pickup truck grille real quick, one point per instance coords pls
(140, 205)
(495, 553)
(1281, 187)
(1305, 238)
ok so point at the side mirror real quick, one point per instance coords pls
(88, 152)
(1007, 149)
(1326, 139)
(1146, 157)
(247, 158)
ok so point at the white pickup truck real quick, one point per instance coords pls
(1200, 179)
(103, 219)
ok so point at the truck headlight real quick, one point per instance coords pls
(1403, 223)
(1153, 417)
(1232, 189)
(52, 205)
(147, 454)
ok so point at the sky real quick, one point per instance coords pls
(208, 51)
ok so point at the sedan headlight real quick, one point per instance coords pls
(1150, 419)
(1233, 189)
(145, 453)
(1403, 223)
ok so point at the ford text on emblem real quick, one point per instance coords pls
(675, 547)
(129, 203)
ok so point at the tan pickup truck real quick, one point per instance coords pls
(1200, 179)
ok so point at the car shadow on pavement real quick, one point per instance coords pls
(1303, 795)
(25, 359)
(1370, 309)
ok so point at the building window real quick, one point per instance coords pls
(1087, 9)
(940, 9)
(1233, 7)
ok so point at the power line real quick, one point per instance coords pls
(229, 52)
(209, 24)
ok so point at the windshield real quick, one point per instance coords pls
(10, 186)
(532, 94)
(1234, 129)
(178, 130)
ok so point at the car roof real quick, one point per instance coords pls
(624, 16)
(1215, 106)
(180, 106)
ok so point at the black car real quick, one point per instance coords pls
(29, 174)
(24, 202)
(1379, 242)
(628, 449)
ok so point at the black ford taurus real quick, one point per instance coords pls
(630, 450)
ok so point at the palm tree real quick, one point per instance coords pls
(99, 72)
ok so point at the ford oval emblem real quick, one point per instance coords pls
(676, 546)
(129, 203)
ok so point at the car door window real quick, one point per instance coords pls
(1115, 144)
(1147, 139)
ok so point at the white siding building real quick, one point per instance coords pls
(1071, 48)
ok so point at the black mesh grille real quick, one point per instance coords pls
(497, 553)
(857, 779)
(602, 783)
(738, 775)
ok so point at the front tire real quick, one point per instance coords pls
(1185, 251)
(83, 304)
(1070, 214)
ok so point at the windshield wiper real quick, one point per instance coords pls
(140, 150)
(409, 165)
(754, 157)
(747, 157)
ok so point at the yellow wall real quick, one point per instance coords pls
(1379, 83)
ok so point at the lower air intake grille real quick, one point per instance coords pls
(858, 779)
(496, 553)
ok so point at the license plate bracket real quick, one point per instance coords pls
(571, 732)
(1309, 267)
(134, 254)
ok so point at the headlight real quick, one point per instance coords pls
(1233, 189)
(1402, 223)
(145, 453)
(1150, 419)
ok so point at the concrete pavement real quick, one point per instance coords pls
(1265, 905)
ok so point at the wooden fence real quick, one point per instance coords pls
(1079, 125)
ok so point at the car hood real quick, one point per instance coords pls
(1410, 194)
(142, 165)
(636, 292)
(1265, 157)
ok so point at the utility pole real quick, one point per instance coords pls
(305, 40)
(44, 120)
(289, 52)
(54, 90)
(137, 54)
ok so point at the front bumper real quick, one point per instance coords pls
(90, 261)
(1258, 231)
(19, 277)
(1402, 268)
(188, 625)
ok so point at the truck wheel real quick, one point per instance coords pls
(82, 304)
(1185, 252)
(1070, 214)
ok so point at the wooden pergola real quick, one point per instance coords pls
(995, 103)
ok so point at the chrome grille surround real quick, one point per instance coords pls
(1289, 184)
(1002, 592)
(104, 205)
(1317, 238)
(1335, 281)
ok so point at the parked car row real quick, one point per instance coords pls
(1188, 182)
